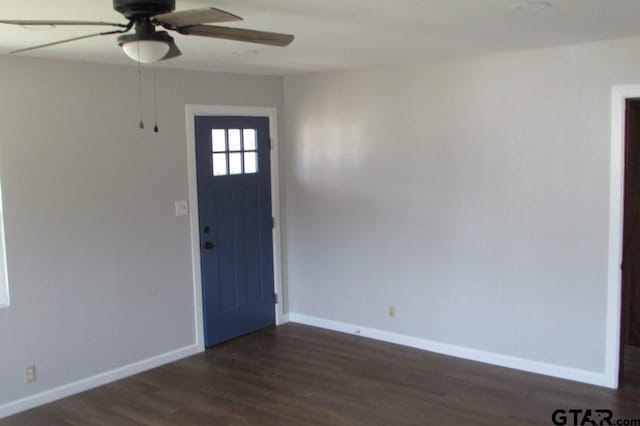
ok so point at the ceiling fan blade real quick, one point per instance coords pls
(238, 34)
(186, 18)
(174, 51)
(56, 23)
(63, 41)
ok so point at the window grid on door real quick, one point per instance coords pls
(234, 152)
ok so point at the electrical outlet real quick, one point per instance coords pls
(393, 311)
(30, 374)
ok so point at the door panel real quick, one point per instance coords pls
(234, 195)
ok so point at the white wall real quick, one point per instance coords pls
(99, 265)
(470, 194)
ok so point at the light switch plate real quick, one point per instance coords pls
(182, 208)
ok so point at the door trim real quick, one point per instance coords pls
(191, 112)
(619, 96)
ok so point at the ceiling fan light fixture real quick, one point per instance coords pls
(146, 51)
(146, 48)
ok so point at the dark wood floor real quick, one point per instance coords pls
(298, 375)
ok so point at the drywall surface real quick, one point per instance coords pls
(99, 265)
(472, 195)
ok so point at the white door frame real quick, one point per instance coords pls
(619, 96)
(193, 111)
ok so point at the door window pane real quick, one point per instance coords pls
(250, 162)
(220, 164)
(218, 140)
(234, 140)
(235, 163)
(249, 139)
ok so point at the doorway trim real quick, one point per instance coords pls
(619, 96)
(191, 112)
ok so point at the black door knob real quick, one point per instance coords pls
(208, 245)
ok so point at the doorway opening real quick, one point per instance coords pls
(629, 371)
(244, 171)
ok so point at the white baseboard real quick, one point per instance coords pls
(284, 319)
(82, 385)
(584, 376)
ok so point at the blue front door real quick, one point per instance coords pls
(234, 197)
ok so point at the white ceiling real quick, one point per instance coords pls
(336, 34)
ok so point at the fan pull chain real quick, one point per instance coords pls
(140, 86)
(155, 101)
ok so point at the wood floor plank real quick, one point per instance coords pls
(299, 375)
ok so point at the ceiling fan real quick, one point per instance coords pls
(145, 44)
